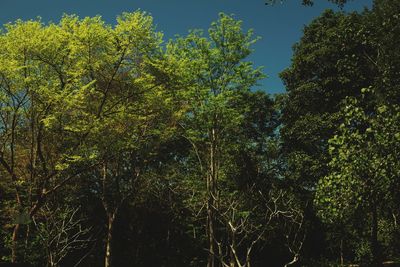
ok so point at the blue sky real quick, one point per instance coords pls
(279, 26)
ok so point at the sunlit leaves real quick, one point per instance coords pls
(364, 170)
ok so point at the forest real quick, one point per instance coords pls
(118, 148)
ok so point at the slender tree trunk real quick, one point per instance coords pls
(110, 226)
(248, 262)
(111, 213)
(28, 228)
(211, 202)
(211, 223)
(14, 240)
(341, 253)
(210, 235)
(52, 263)
(374, 237)
(14, 248)
(17, 196)
(232, 260)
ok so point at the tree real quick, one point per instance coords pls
(127, 109)
(175, 160)
(37, 69)
(340, 3)
(328, 65)
(364, 170)
(78, 96)
(217, 73)
(338, 55)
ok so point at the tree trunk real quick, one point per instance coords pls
(14, 240)
(28, 229)
(110, 226)
(248, 262)
(15, 243)
(374, 238)
(210, 234)
(211, 224)
(211, 202)
(341, 253)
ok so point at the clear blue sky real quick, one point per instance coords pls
(279, 26)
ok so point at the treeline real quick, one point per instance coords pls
(119, 150)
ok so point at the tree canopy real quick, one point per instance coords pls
(120, 149)
(340, 3)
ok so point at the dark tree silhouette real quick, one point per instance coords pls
(340, 3)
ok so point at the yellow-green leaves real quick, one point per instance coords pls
(81, 90)
(136, 31)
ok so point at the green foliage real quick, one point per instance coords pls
(363, 168)
(364, 172)
(154, 142)
(218, 80)
(340, 3)
(364, 254)
(338, 55)
(327, 66)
